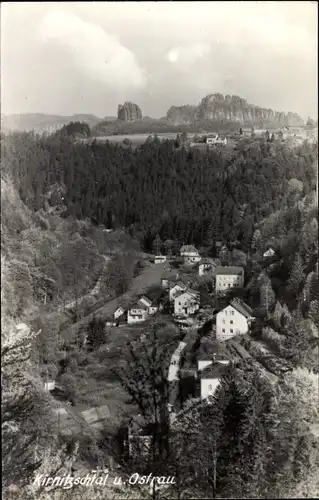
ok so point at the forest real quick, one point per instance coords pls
(189, 196)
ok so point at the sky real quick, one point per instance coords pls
(88, 57)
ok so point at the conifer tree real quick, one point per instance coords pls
(297, 276)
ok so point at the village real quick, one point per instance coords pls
(219, 316)
(201, 297)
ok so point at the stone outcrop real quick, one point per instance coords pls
(182, 115)
(231, 108)
(129, 112)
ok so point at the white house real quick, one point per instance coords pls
(136, 315)
(158, 259)
(215, 139)
(269, 253)
(205, 266)
(210, 379)
(175, 362)
(118, 313)
(233, 320)
(49, 385)
(229, 277)
(176, 290)
(190, 254)
(187, 303)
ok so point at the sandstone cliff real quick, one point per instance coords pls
(231, 108)
(129, 112)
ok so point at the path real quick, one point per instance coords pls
(94, 291)
(149, 276)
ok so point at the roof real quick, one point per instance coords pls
(180, 284)
(207, 260)
(212, 356)
(229, 270)
(216, 370)
(137, 307)
(239, 349)
(145, 299)
(191, 293)
(242, 307)
(188, 248)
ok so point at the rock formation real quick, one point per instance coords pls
(182, 115)
(231, 108)
(129, 112)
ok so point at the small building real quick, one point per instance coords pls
(175, 362)
(235, 319)
(176, 290)
(190, 254)
(118, 313)
(147, 303)
(49, 385)
(269, 253)
(210, 379)
(212, 140)
(228, 277)
(187, 303)
(159, 259)
(136, 315)
(206, 266)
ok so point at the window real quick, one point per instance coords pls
(210, 387)
(231, 322)
(231, 330)
(223, 330)
(232, 313)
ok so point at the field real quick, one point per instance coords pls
(136, 139)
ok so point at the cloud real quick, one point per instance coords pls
(185, 56)
(97, 54)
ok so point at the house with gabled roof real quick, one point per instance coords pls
(210, 379)
(190, 254)
(187, 303)
(228, 277)
(176, 289)
(118, 313)
(141, 310)
(147, 303)
(235, 319)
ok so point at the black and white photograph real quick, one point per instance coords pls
(159, 250)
